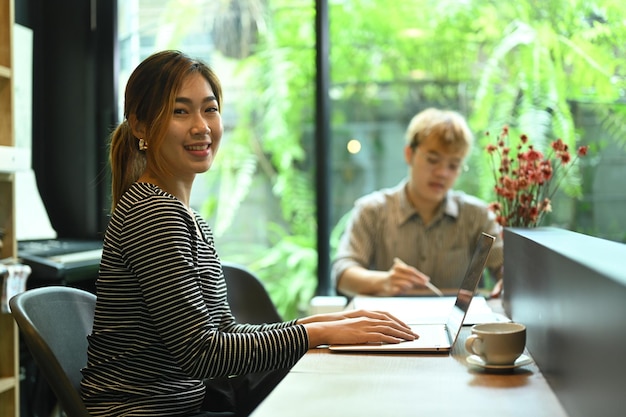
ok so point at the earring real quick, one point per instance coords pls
(143, 145)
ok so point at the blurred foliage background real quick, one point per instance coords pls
(547, 68)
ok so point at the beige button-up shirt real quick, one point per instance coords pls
(384, 225)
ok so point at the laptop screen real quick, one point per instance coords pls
(468, 286)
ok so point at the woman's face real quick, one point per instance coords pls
(195, 129)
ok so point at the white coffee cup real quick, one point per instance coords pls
(497, 343)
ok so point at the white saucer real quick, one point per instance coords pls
(521, 361)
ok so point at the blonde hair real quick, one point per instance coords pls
(149, 99)
(448, 127)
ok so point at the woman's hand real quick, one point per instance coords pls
(356, 326)
(349, 314)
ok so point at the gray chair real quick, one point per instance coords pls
(248, 298)
(55, 322)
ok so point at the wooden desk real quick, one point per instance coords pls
(325, 384)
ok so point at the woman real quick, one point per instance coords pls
(164, 342)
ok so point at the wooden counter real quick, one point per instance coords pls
(325, 384)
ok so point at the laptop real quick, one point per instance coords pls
(428, 309)
(442, 336)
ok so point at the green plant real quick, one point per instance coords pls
(543, 57)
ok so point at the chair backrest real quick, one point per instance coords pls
(248, 298)
(55, 322)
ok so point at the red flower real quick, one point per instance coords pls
(558, 145)
(524, 178)
(533, 155)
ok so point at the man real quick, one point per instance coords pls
(421, 230)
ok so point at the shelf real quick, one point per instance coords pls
(5, 72)
(10, 160)
(14, 159)
(6, 384)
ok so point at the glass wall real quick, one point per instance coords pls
(547, 70)
(259, 195)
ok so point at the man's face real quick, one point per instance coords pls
(433, 170)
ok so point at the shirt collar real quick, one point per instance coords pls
(450, 206)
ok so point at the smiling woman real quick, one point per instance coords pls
(164, 339)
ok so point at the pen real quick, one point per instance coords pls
(427, 283)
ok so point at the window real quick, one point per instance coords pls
(259, 195)
(497, 65)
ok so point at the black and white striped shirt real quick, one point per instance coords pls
(162, 321)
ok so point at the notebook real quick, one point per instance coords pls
(439, 337)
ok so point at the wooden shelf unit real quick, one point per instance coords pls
(9, 348)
